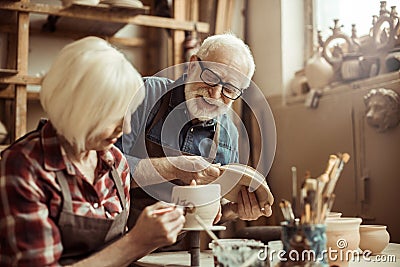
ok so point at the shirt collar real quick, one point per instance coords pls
(55, 158)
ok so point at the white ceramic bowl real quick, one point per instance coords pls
(204, 198)
(374, 238)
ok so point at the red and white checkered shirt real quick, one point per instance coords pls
(30, 197)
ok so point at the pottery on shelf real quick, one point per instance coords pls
(202, 200)
(80, 2)
(318, 71)
(374, 238)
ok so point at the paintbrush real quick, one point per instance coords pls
(288, 209)
(294, 188)
(322, 181)
(208, 231)
(331, 163)
(310, 200)
(337, 169)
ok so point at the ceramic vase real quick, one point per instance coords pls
(343, 239)
(374, 238)
(318, 71)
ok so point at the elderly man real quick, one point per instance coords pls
(182, 130)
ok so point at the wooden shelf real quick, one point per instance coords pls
(100, 13)
(20, 79)
(76, 21)
(9, 93)
(7, 72)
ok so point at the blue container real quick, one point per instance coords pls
(304, 245)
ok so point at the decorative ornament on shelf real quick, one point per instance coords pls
(385, 29)
(383, 109)
(336, 46)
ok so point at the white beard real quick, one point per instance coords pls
(203, 108)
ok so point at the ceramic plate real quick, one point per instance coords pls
(247, 176)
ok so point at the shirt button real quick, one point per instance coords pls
(191, 130)
(96, 205)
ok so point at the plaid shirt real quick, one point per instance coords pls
(31, 199)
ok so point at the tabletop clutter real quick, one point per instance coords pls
(308, 232)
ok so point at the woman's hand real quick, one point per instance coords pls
(157, 229)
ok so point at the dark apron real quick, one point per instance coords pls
(81, 236)
(139, 198)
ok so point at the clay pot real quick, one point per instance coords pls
(205, 199)
(374, 238)
(318, 71)
(342, 235)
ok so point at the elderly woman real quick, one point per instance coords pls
(64, 188)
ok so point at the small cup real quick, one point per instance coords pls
(203, 198)
(374, 238)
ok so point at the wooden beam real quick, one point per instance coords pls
(9, 93)
(178, 36)
(224, 14)
(121, 15)
(20, 106)
(169, 23)
(21, 80)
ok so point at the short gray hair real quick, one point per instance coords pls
(227, 41)
(89, 86)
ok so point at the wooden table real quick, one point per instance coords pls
(182, 258)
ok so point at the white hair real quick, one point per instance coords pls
(228, 42)
(89, 86)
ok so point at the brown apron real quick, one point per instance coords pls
(139, 198)
(81, 236)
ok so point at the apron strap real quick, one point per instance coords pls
(62, 180)
(214, 145)
(118, 185)
(165, 99)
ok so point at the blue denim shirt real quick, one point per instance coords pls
(175, 130)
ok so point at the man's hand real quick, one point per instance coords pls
(188, 168)
(247, 207)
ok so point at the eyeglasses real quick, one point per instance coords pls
(212, 79)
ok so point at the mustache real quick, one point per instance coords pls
(203, 92)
